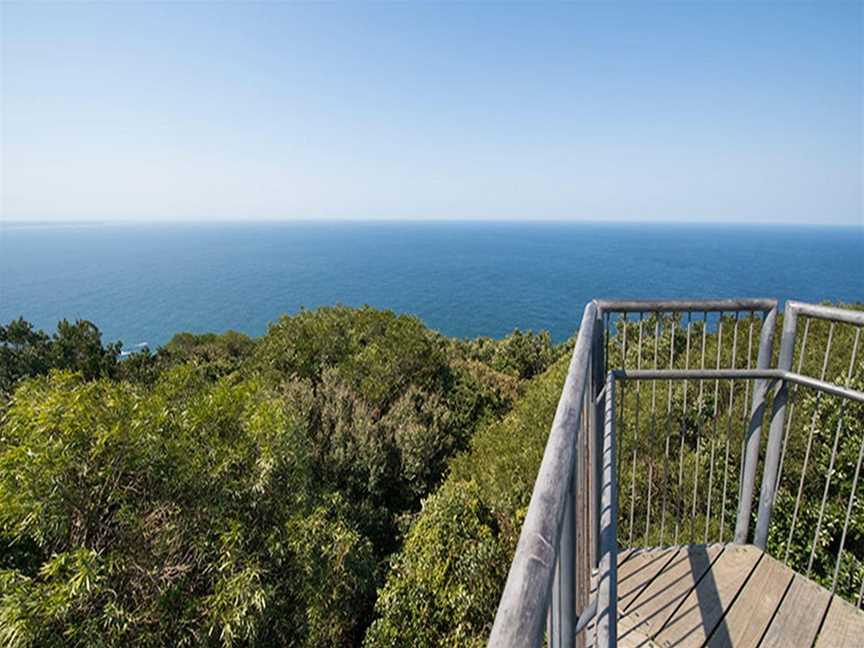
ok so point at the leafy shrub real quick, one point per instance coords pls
(169, 516)
(385, 404)
(520, 354)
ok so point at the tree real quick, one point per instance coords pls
(27, 352)
(24, 352)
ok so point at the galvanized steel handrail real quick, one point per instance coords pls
(522, 610)
(684, 305)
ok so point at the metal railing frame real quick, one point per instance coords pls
(792, 312)
(570, 532)
(760, 391)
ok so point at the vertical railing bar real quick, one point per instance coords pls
(752, 318)
(653, 429)
(702, 361)
(699, 428)
(665, 487)
(717, 381)
(695, 490)
(861, 593)
(635, 437)
(793, 392)
(656, 366)
(668, 433)
(725, 484)
(710, 488)
(715, 414)
(681, 501)
(809, 446)
(687, 357)
(624, 343)
(680, 496)
(729, 430)
(848, 515)
(833, 453)
(741, 461)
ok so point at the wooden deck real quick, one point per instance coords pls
(726, 595)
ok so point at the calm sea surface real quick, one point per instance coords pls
(143, 283)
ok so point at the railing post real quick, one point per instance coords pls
(760, 391)
(582, 496)
(561, 624)
(553, 622)
(607, 587)
(596, 419)
(775, 435)
(567, 574)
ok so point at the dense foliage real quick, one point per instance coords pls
(225, 490)
(444, 587)
(26, 352)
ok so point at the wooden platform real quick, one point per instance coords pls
(726, 595)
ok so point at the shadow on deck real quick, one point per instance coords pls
(726, 595)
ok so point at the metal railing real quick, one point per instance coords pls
(782, 433)
(568, 545)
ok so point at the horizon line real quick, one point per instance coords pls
(435, 221)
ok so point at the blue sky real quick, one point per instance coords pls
(632, 111)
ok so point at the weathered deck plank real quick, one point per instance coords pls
(654, 605)
(704, 608)
(756, 604)
(797, 620)
(843, 626)
(635, 574)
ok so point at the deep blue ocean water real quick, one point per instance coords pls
(143, 283)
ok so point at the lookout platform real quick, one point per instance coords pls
(660, 433)
(726, 595)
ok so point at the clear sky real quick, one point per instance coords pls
(633, 111)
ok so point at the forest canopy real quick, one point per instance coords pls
(225, 490)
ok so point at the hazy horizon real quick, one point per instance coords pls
(419, 221)
(159, 112)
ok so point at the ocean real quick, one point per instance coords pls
(143, 283)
